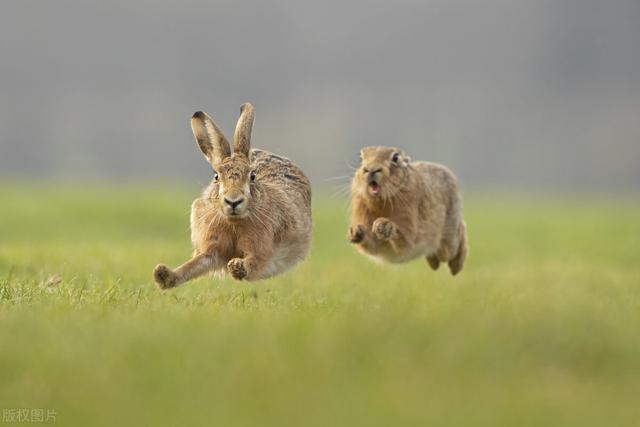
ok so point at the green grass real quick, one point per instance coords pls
(541, 328)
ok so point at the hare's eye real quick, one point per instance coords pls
(215, 176)
(252, 175)
(395, 157)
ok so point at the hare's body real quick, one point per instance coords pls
(254, 220)
(402, 210)
(283, 238)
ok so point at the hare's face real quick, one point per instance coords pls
(233, 177)
(234, 180)
(381, 173)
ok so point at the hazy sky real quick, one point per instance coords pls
(530, 94)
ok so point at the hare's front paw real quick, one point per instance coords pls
(356, 234)
(236, 268)
(164, 276)
(383, 229)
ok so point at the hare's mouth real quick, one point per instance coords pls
(234, 214)
(374, 187)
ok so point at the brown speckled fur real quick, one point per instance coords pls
(417, 210)
(269, 230)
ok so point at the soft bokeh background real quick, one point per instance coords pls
(534, 95)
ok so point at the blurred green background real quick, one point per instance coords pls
(539, 329)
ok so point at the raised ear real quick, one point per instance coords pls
(209, 137)
(242, 136)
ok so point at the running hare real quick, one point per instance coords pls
(254, 219)
(402, 210)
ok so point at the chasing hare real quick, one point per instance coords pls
(254, 219)
(402, 210)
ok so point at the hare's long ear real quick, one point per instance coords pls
(209, 137)
(242, 136)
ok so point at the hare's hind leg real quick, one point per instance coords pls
(195, 267)
(456, 264)
(433, 261)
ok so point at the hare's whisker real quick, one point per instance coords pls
(349, 165)
(336, 178)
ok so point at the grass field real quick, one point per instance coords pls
(541, 328)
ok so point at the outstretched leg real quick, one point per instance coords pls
(456, 264)
(195, 267)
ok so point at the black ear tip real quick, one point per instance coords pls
(199, 115)
(245, 106)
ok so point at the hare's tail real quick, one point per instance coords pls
(456, 264)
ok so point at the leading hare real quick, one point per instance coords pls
(254, 219)
(402, 210)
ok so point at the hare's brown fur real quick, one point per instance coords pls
(402, 210)
(254, 220)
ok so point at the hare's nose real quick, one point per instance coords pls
(372, 173)
(234, 203)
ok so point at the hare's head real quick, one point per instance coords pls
(234, 180)
(382, 172)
